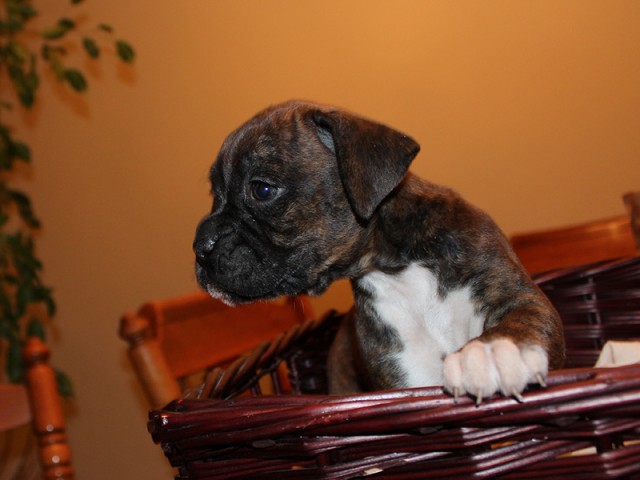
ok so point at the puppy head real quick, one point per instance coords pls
(295, 190)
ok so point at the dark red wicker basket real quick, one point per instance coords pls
(597, 302)
(586, 423)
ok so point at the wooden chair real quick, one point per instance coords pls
(171, 340)
(632, 201)
(39, 402)
(580, 244)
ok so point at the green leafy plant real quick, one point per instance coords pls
(26, 50)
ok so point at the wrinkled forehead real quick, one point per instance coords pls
(272, 135)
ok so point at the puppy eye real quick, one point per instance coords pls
(262, 191)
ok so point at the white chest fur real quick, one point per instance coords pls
(429, 325)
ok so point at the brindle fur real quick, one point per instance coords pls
(347, 206)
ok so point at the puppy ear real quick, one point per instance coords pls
(372, 158)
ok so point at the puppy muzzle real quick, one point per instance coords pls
(231, 264)
(205, 241)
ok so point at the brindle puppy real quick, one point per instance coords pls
(305, 194)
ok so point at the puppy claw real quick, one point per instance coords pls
(518, 396)
(482, 369)
(456, 394)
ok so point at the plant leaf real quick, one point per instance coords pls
(51, 305)
(65, 387)
(24, 208)
(17, 51)
(36, 329)
(21, 150)
(91, 47)
(54, 32)
(76, 79)
(52, 55)
(22, 10)
(66, 23)
(43, 294)
(48, 51)
(23, 87)
(58, 30)
(15, 365)
(125, 51)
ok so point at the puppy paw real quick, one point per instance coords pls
(481, 369)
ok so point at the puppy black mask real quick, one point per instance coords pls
(305, 194)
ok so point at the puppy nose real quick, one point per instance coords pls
(203, 248)
(205, 240)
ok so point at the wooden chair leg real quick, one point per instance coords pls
(48, 416)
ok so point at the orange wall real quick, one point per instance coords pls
(530, 109)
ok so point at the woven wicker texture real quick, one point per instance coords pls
(585, 423)
(597, 302)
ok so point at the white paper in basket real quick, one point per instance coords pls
(614, 354)
(617, 354)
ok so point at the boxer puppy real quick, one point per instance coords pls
(305, 194)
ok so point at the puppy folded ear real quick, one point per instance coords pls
(372, 158)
